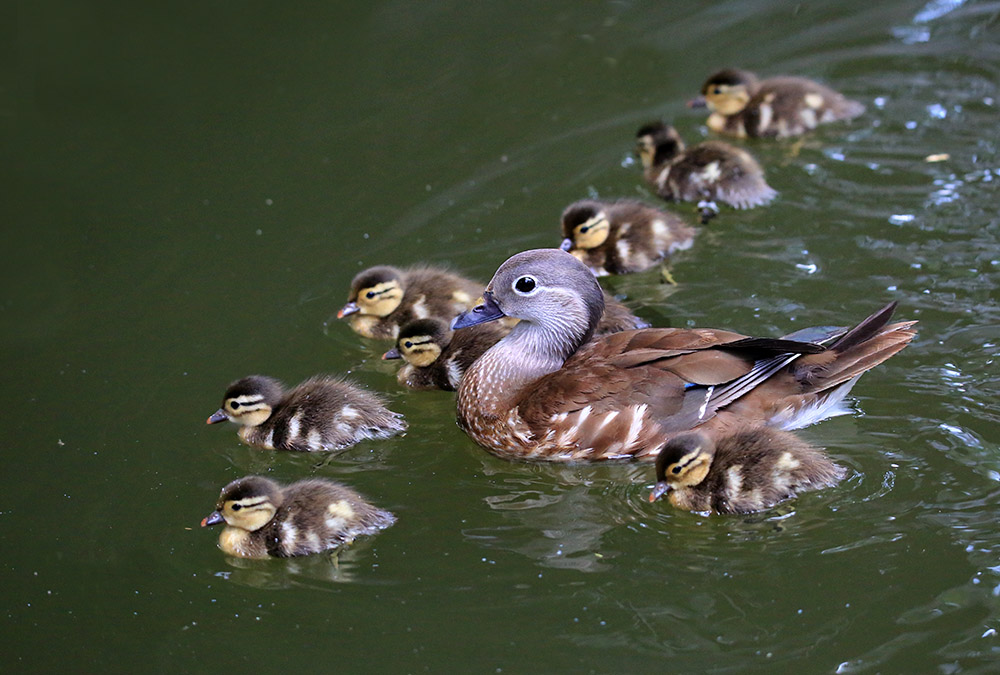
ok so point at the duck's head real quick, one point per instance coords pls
(420, 342)
(248, 402)
(656, 143)
(683, 462)
(585, 225)
(247, 503)
(727, 92)
(553, 294)
(377, 291)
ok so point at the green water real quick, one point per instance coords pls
(190, 189)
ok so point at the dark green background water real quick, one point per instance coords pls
(190, 188)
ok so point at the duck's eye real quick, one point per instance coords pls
(370, 294)
(237, 507)
(585, 229)
(234, 405)
(408, 344)
(524, 285)
(717, 90)
(675, 470)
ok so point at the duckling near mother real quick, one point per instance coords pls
(322, 413)
(265, 520)
(703, 173)
(623, 236)
(548, 392)
(383, 298)
(748, 470)
(778, 107)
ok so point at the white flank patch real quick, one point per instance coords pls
(660, 229)
(314, 439)
(584, 414)
(624, 250)
(734, 481)
(294, 425)
(347, 412)
(269, 440)
(313, 539)
(787, 463)
(335, 524)
(661, 180)
(638, 412)
(814, 101)
(766, 115)
(288, 533)
(420, 308)
(607, 419)
(454, 372)
(711, 173)
(808, 117)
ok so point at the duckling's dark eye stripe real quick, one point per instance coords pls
(687, 459)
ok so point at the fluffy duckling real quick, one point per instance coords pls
(265, 520)
(383, 298)
(741, 472)
(547, 391)
(436, 357)
(322, 413)
(621, 237)
(703, 173)
(778, 107)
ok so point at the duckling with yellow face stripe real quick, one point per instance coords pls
(383, 298)
(621, 237)
(265, 520)
(740, 472)
(322, 413)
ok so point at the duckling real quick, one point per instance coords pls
(547, 391)
(741, 472)
(778, 107)
(383, 298)
(621, 237)
(702, 173)
(436, 357)
(322, 413)
(265, 520)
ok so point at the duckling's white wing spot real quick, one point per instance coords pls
(268, 441)
(766, 114)
(711, 173)
(624, 228)
(814, 100)
(734, 481)
(348, 413)
(461, 297)
(624, 250)
(288, 534)
(661, 180)
(314, 439)
(341, 509)
(294, 426)
(454, 371)
(314, 542)
(787, 462)
(420, 308)
(808, 118)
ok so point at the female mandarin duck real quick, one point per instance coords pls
(437, 357)
(703, 173)
(383, 298)
(322, 413)
(741, 472)
(265, 520)
(548, 392)
(778, 107)
(621, 237)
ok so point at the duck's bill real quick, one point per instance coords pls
(566, 244)
(214, 518)
(488, 311)
(698, 102)
(216, 417)
(659, 490)
(392, 354)
(348, 309)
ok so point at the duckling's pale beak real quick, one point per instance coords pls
(659, 490)
(698, 102)
(488, 311)
(214, 518)
(392, 354)
(348, 309)
(216, 417)
(566, 244)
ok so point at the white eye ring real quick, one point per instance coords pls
(525, 285)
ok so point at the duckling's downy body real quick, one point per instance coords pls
(383, 298)
(740, 472)
(708, 171)
(621, 237)
(548, 392)
(778, 107)
(322, 413)
(264, 520)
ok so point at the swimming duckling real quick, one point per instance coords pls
(548, 391)
(322, 413)
(265, 520)
(702, 173)
(778, 107)
(741, 472)
(383, 298)
(621, 237)
(436, 357)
